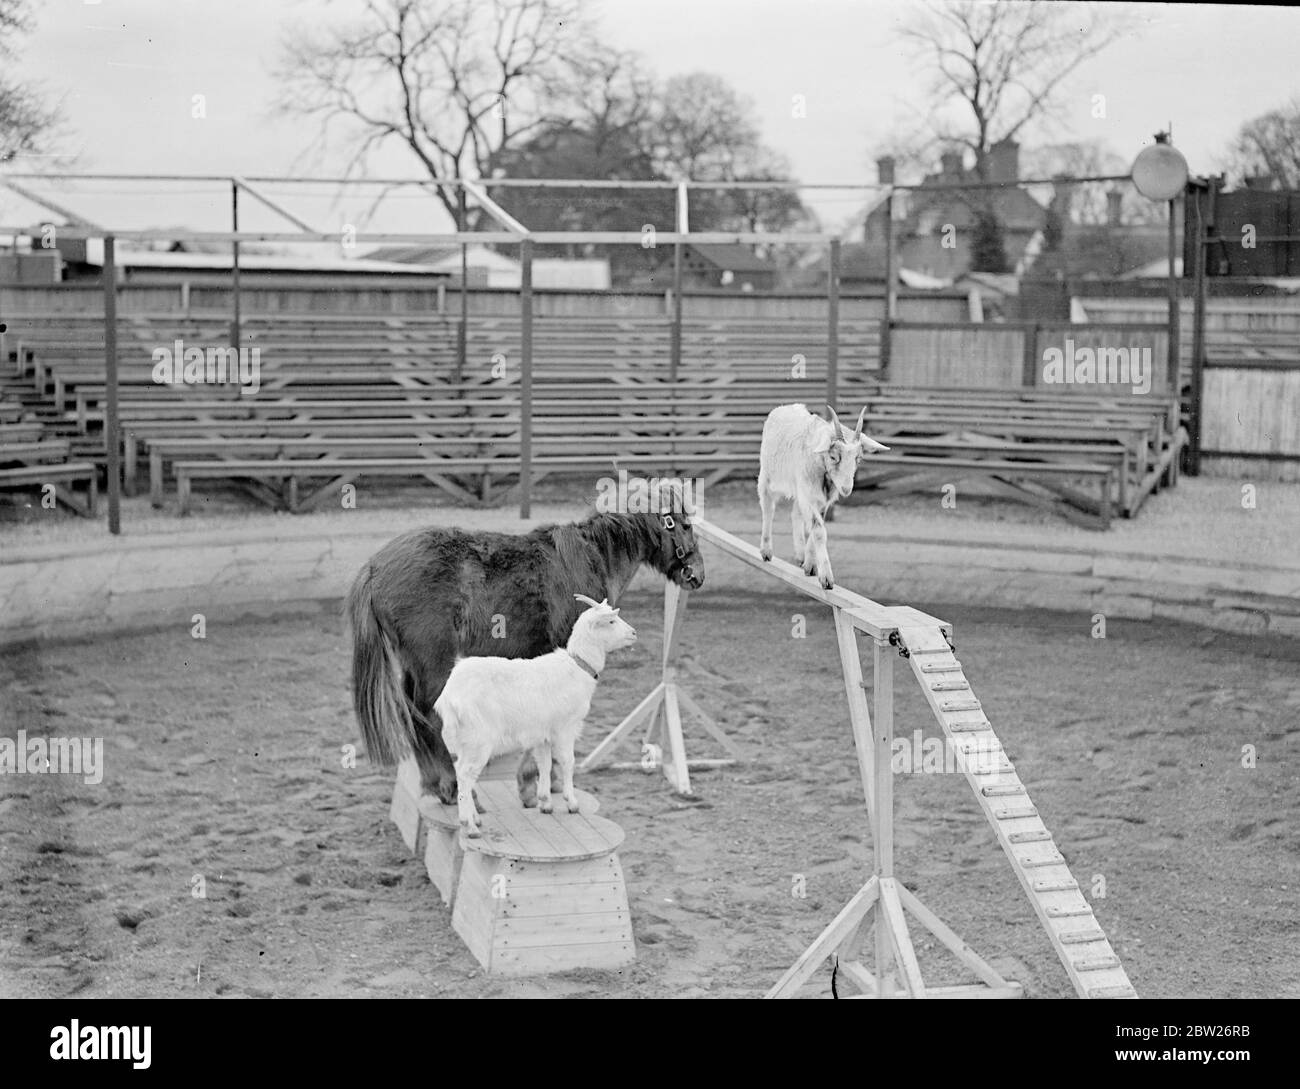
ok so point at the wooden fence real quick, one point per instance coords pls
(1251, 421)
(1250, 408)
(411, 295)
(1032, 355)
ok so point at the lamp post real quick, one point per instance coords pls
(1160, 173)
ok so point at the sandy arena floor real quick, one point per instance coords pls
(223, 762)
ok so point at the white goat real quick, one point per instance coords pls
(491, 706)
(812, 462)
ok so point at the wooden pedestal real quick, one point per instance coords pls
(523, 918)
(430, 828)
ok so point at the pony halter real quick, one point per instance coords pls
(670, 524)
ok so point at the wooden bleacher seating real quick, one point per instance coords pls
(349, 396)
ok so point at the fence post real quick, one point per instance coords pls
(112, 437)
(675, 352)
(1029, 372)
(891, 298)
(1171, 371)
(462, 330)
(235, 325)
(682, 225)
(833, 327)
(1204, 224)
(526, 378)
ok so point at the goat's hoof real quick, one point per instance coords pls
(827, 584)
(545, 807)
(766, 553)
(573, 807)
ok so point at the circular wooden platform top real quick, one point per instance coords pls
(511, 831)
(446, 816)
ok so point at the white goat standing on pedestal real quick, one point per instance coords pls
(812, 462)
(491, 706)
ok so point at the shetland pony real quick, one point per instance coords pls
(433, 595)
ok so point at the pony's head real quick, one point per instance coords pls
(840, 458)
(679, 554)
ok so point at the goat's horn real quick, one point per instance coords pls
(839, 427)
(584, 597)
(857, 434)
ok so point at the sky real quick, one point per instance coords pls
(126, 71)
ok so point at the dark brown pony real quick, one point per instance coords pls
(434, 595)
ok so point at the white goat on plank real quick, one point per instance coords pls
(491, 706)
(812, 462)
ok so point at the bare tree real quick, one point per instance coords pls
(705, 130)
(611, 99)
(999, 68)
(1268, 145)
(1003, 64)
(25, 119)
(457, 82)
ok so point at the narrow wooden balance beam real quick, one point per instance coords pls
(537, 892)
(883, 902)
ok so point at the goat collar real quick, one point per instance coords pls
(585, 666)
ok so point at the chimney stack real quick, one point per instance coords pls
(1003, 162)
(1114, 202)
(885, 170)
(950, 165)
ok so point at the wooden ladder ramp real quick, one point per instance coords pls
(1060, 905)
(881, 914)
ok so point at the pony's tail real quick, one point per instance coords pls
(379, 698)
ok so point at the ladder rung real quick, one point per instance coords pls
(981, 748)
(941, 667)
(1038, 835)
(959, 705)
(1012, 813)
(1002, 791)
(1005, 768)
(949, 686)
(1055, 884)
(1082, 937)
(1096, 964)
(969, 726)
(1030, 862)
(1113, 992)
(1068, 912)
